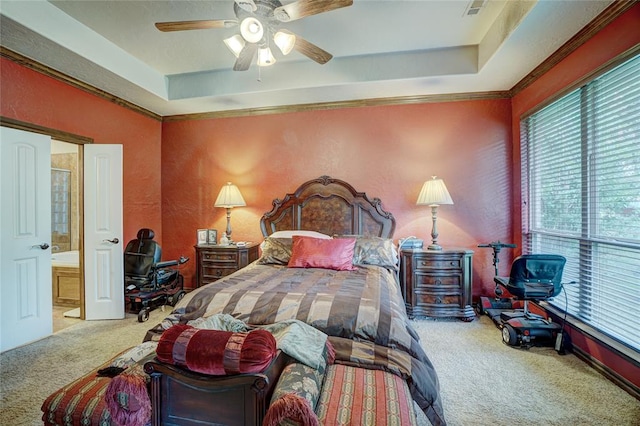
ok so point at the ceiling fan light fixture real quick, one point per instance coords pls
(265, 57)
(285, 41)
(251, 30)
(235, 44)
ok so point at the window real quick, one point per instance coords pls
(581, 188)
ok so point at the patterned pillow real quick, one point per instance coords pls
(134, 355)
(275, 251)
(374, 251)
(310, 252)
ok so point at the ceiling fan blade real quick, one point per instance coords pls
(301, 8)
(248, 5)
(195, 25)
(245, 57)
(312, 51)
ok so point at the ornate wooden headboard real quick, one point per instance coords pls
(330, 206)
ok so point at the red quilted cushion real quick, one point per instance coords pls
(216, 352)
(308, 252)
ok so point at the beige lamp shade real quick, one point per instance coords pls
(434, 192)
(229, 196)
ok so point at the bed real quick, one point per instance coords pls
(328, 264)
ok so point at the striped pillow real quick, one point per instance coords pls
(357, 396)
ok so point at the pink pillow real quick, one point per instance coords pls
(308, 252)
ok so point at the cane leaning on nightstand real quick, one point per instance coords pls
(215, 262)
(437, 283)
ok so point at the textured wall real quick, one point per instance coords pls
(387, 152)
(35, 98)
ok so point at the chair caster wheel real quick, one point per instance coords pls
(509, 335)
(143, 315)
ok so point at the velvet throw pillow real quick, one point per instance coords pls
(307, 252)
(216, 352)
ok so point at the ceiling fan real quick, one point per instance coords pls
(260, 24)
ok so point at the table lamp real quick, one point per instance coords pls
(434, 193)
(229, 197)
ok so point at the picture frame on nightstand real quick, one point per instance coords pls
(212, 237)
(202, 236)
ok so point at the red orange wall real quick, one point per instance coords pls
(387, 152)
(612, 41)
(34, 98)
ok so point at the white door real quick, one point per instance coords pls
(103, 249)
(25, 237)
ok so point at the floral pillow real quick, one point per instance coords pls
(375, 251)
(275, 251)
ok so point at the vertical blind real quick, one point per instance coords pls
(581, 189)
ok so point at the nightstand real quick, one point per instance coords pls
(215, 262)
(437, 283)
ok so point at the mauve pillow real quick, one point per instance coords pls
(308, 252)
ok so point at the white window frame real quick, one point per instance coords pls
(603, 255)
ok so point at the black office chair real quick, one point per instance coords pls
(533, 277)
(148, 281)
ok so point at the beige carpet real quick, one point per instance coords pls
(30, 373)
(483, 381)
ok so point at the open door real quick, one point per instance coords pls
(25, 238)
(103, 246)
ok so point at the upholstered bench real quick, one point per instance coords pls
(81, 402)
(348, 396)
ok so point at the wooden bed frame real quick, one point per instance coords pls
(326, 205)
(181, 397)
(330, 206)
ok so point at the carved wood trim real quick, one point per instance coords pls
(330, 206)
(58, 135)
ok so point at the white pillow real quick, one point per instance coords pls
(289, 234)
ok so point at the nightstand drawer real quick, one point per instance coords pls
(425, 280)
(220, 258)
(437, 300)
(445, 262)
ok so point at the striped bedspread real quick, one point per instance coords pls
(361, 311)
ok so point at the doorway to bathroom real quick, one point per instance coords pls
(66, 220)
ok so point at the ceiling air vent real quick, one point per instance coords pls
(474, 7)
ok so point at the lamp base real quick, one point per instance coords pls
(434, 247)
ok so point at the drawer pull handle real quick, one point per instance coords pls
(218, 273)
(452, 263)
(438, 300)
(438, 282)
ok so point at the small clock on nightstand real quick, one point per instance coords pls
(437, 283)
